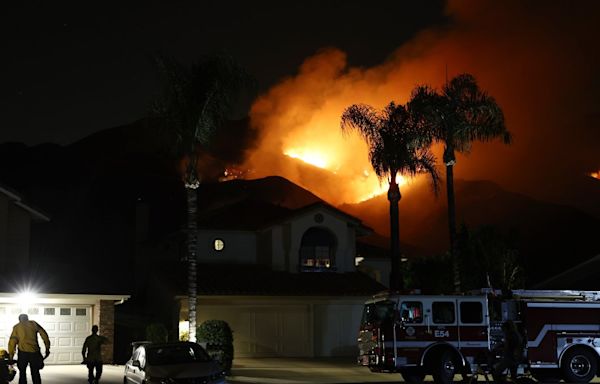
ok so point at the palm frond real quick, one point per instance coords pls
(361, 118)
(396, 141)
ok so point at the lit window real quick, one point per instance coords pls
(218, 244)
(317, 250)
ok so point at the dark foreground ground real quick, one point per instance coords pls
(251, 371)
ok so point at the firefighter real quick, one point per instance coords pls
(511, 350)
(24, 335)
(92, 354)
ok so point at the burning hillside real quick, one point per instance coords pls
(298, 121)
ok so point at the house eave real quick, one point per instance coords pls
(57, 298)
(17, 200)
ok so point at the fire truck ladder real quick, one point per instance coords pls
(565, 295)
(554, 295)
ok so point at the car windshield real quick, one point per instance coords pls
(176, 354)
(378, 312)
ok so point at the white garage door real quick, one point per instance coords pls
(67, 328)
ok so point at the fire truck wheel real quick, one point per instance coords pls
(445, 368)
(413, 377)
(579, 365)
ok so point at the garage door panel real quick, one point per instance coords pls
(295, 331)
(65, 342)
(67, 328)
(64, 358)
(50, 327)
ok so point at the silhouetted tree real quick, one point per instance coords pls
(460, 114)
(194, 103)
(396, 146)
(489, 258)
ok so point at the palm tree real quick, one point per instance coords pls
(396, 146)
(460, 114)
(194, 103)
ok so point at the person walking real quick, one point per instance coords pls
(25, 336)
(92, 354)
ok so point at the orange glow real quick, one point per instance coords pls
(326, 156)
(595, 175)
(309, 156)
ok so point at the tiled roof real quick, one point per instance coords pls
(259, 280)
(247, 214)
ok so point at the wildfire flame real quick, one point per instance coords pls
(366, 186)
(309, 156)
(595, 175)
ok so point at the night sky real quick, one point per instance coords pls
(73, 68)
(70, 69)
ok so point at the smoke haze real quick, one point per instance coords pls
(539, 61)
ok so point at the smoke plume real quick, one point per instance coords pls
(539, 61)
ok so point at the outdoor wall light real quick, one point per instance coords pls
(184, 330)
(27, 298)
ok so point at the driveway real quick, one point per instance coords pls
(247, 371)
(76, 374)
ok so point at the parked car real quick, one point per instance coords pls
(172, 363)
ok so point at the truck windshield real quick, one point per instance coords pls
(378, 312)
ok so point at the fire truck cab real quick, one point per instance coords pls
(444, 335)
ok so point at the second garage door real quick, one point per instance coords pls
(266, 330)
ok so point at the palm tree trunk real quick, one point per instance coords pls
(192, 246)
(449, 159)
(394, 198)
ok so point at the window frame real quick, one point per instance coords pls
(412, 302)
(481, 312)
(433, 312)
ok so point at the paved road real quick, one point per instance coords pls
(249, 371)
(282, 372)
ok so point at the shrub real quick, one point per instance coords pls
(157, 333)
(219, 341)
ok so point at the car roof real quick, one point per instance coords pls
(167, 345)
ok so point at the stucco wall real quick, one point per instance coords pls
(345, 238)
(240, 247)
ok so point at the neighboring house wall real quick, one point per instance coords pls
(239, 247)
(286, 326)
(68, 319)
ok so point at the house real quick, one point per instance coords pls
(59, 298)
(278, 264)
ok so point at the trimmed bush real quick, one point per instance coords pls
(219, 341)
(157, 333)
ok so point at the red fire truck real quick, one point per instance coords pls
(441, 335)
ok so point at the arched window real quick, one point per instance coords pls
(317, 250)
